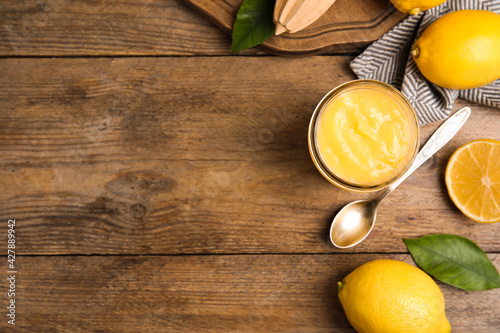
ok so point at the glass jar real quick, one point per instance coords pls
(363, 135)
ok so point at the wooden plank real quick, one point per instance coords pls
(193, 155)
(105, 28)
(347, 26)
(236, 293)
(156, 27)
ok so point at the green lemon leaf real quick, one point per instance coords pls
(254, 24)
(454, 260)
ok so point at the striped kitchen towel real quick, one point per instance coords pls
(388, 59)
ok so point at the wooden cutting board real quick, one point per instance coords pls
(347, 26)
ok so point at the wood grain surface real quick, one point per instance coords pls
(339, 29)
(161, 184)
(224, 293)
(107, 28)
(139, 155)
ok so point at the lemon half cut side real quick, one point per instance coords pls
(473, 180)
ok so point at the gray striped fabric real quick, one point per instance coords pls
(388, 59)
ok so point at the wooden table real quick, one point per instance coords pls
(161, 184)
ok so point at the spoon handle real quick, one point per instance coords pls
(440, 137)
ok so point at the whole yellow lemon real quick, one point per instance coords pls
(390, 296)
(414, 7)
(460, 50)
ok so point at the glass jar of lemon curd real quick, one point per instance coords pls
(363, 135)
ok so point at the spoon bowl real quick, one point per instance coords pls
(355, 221)
(353, 229)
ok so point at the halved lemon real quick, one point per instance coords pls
(473, 180)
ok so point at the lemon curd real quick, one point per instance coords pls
(366, 134)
